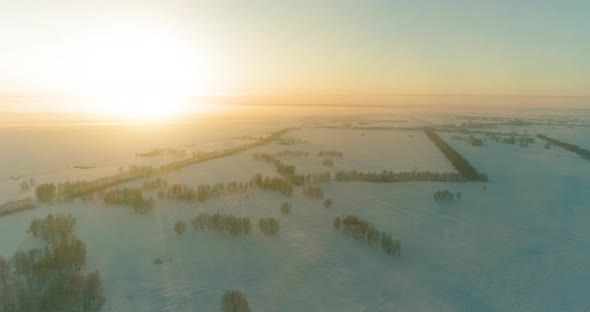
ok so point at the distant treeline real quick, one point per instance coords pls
(49, 278)
(81, 188)
(570, 147)
(334, 154)
(291, 153)
(365, 231)
(291, 140)
(16, 206)
(163, 151)
(459, 163)
(390, 176)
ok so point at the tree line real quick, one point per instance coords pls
(365, 231)
(275, 183)
(236, 226)
(291, 141)
(227, 223)
(459, 163)
(570, 147)
(16, 206)
(334, 154)
(391, 176)
(163, 151)
(79, 188)
(201, 193)
(282, 168)
(291, 153)
(49, 278)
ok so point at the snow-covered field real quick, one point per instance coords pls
(522, 244)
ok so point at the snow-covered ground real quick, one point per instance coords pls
(523, 244)
(371, 150)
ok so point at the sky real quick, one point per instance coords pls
(169, 48)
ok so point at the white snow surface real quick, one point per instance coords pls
(521, 245)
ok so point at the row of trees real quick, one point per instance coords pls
(446, 195)
(282, 168)
(391, 176)
(275, 183)
(365, 231)
(316, 178)
(80, 188)
(327, 162)
(226, 223)
(459, 163)
(132, 197)
(49, 278)
(570, 147)
(204, 192)
(291, 141)
(230, 224)
(291, 153)
(334, 154)
(16, 206)
(158, 183)
(163, 151)
(51, 191)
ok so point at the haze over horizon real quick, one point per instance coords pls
(157, 51)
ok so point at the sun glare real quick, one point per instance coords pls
(143, 73)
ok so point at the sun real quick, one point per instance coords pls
(143, 72)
